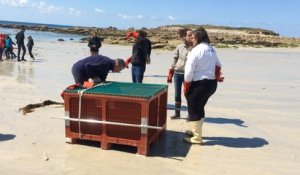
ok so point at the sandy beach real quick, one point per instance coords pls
(252, 123)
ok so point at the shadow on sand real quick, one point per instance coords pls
(5, 137)
(169, 145)
(156, 76)
(172, 107)
(220, 120)
(239, 142)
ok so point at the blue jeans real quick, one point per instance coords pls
(178, 81)
(137, 74)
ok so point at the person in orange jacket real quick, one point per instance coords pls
(202, 72)
(177, 67)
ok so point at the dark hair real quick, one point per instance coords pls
(121, 63)
(182, 32)
(201, 35)
(142, 33)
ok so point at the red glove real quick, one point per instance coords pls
(170, 75)
(132, 34)
(186, 87)
(218, 74)
(128, 60)
(88, 84)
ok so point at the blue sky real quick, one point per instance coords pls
(281, 16)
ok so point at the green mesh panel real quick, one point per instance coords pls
(137, 90)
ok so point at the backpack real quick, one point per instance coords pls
(18, 36)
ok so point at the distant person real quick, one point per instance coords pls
(177, 67)
(30, 45)
(138, 58)
(202, 72)
(95, 68)
(2, 44)
(20, 42)
(9, 48)
(95, 43)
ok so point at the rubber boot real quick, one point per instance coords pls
(197, 132)
(177, 111)
(189, 133)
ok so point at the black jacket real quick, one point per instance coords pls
(20, 37)
(139, 52)
(30, 43)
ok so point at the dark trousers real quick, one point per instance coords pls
(197, 97)
(8, 52)
(77, 75)
(21, 45)
(30, 51)
(1, 52)
(178, 81)
(137, 74)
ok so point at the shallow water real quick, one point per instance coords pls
(42, 36)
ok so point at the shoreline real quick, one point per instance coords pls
(166, 37)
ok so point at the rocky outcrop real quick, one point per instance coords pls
(166, 37)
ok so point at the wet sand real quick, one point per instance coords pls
(252, 123)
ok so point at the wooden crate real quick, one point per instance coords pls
(115, 110)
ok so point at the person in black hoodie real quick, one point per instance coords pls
(20, 41)
(138, 58)
(95, 43)
(30, 44)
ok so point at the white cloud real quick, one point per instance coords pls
(171, 18)
(152, 17)
(74, 12)
(17, 3)
(127, 17)
(124, 16)
(99, 10)
(44, 8)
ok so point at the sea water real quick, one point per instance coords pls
(42, 35)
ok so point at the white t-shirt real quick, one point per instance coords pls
(201, 63)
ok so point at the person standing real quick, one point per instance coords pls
(148, 45)
(2, 44)
(202, 72)
(95, 43)
(8, 47)
(30, 45)
(138, 58)
(95, 68)
(20, 42)
(177, 67)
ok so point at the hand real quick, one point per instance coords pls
(128, 60)
(218, 74)
(148, 60)
(186, 87)
(170, 75)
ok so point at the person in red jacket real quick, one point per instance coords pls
(2, 43)
(202, 72)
